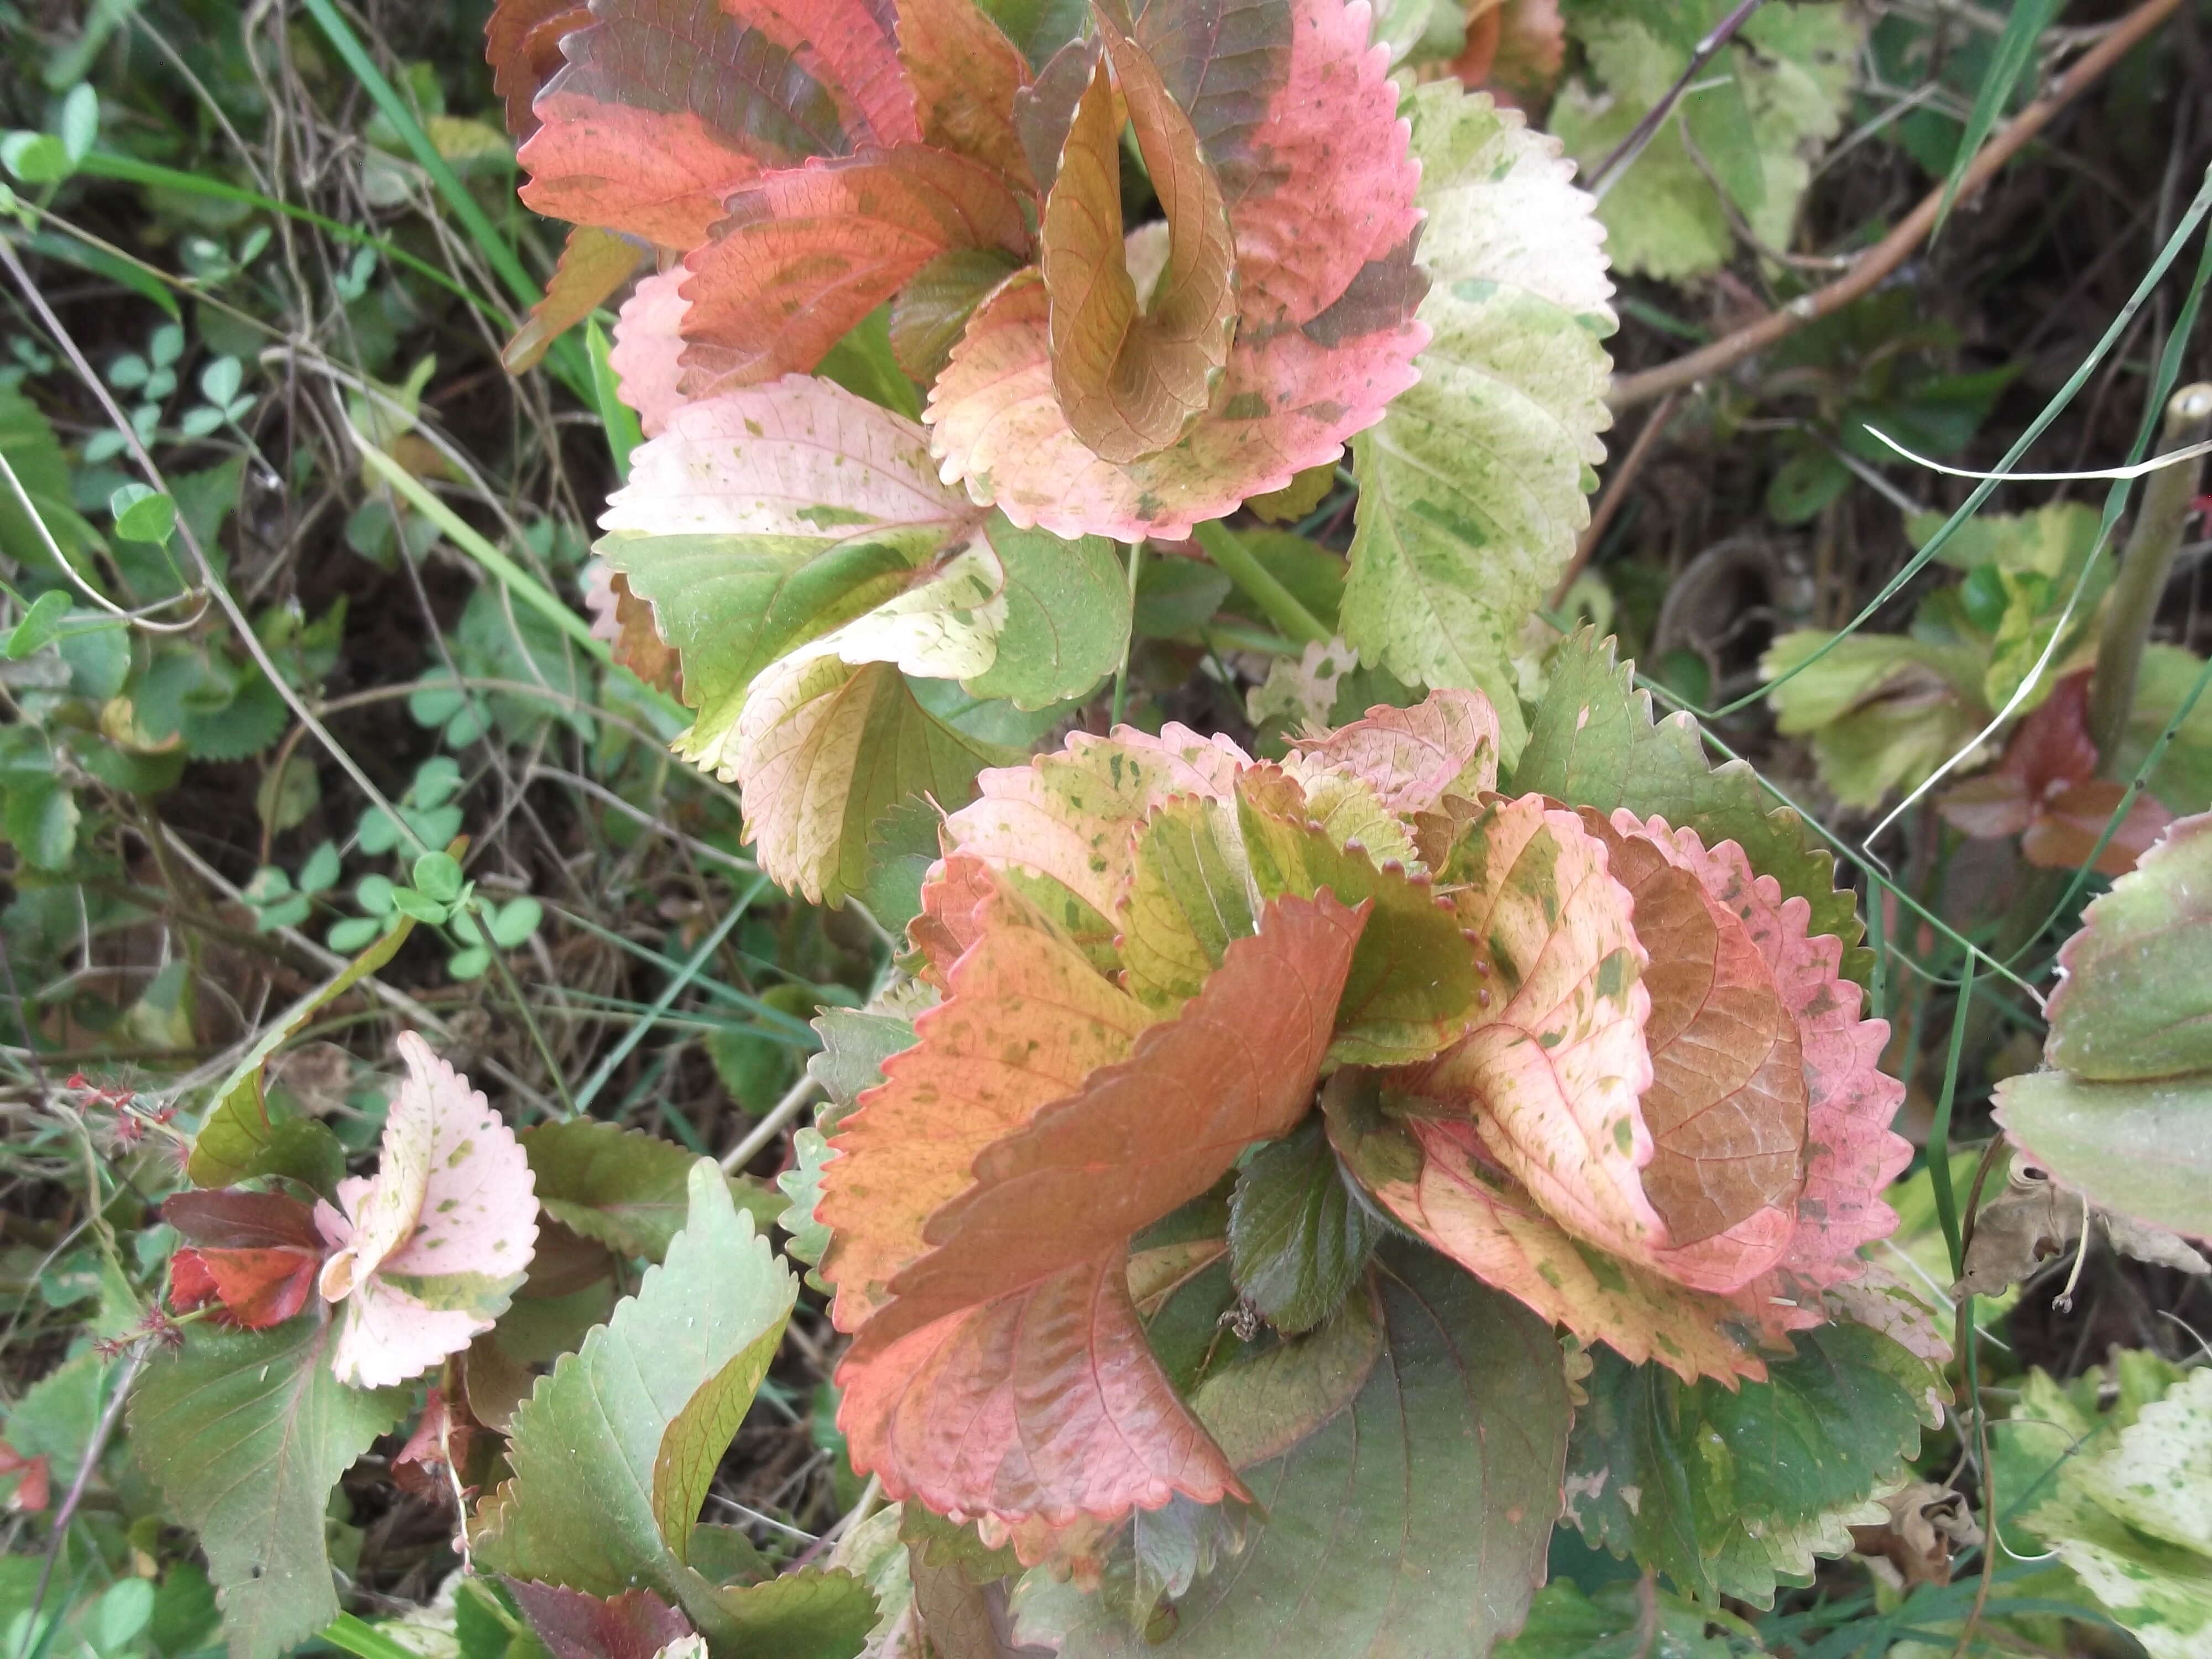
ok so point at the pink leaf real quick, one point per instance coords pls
(430, 1249)
(851, 47)
(647, 352)
(1320, 207)
(807, 252)
(522, 44)
(1446, 744)
(1553, 1070)
(781, 459)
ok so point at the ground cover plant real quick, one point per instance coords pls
(983, 828)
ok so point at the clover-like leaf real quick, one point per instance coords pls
(1472, 485)
(430, 1249)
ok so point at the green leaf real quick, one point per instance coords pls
(2135, 1521)
(1067, 620)
(40, 624)
(2015, 51)
(238, 1138)
(627, 1189)
(855, 1043)
(1413, 1523)
(1880, 711)
(1299, 1239)
(40, 818)
(1733, 1492)
(437, 876)
(143, 514)
(1592, 742)
(418, 906)
(2140, 1149)
(2136, 1000)
(613, 1452)
(514, 921)
(35, 454)
(246, 1431)
(1564, 1623)
(1472, 485)
(802, 1184)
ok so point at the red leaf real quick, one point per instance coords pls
(192, 1286)
(260, 1288)
(664, 107)
(851, 47)
(232, 1219)
(951, 916)
(1294, 111)
(1446, 744)
(807, 253)
(1726, 1106)
(35, 1490)
(635, 1625)
(522, 44)
(2073, 821)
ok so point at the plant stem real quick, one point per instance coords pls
(2169, 497)
(1625, 152)
(1122, 673)
(1258, 583)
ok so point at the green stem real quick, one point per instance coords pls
(1258, 583)
(1939, 1132)
(2146, 564)
(1122, 673)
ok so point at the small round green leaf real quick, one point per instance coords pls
(515, 921)
(408, 903)
(143, 514)
(438, 876)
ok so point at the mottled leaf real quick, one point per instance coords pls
(247, 1432)
(2137, 1148)
(1446, 744)
(806, 253)
(1325, 286)
(966, 75)
(2134, 998)
(430, 1249)
(1472, 485)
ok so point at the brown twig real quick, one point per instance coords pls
(1616, 493)
(1886, 256)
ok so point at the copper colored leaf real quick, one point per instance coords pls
(522, 44)
(1026, 1021)
(1298, 120)
(1134, 369)
(851, 46)
(1044, 109)
(965, 75)
(259, 1288)
(806, 253)
(594, 265)
(240, 1220)
(1726, 1106)
(1553, 1068)
(1237, 1065)
(634, 1624)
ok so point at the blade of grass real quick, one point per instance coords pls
(2015, 51)
(1939, 1131)
(620, 420)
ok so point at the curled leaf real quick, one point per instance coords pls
(430, 1249)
